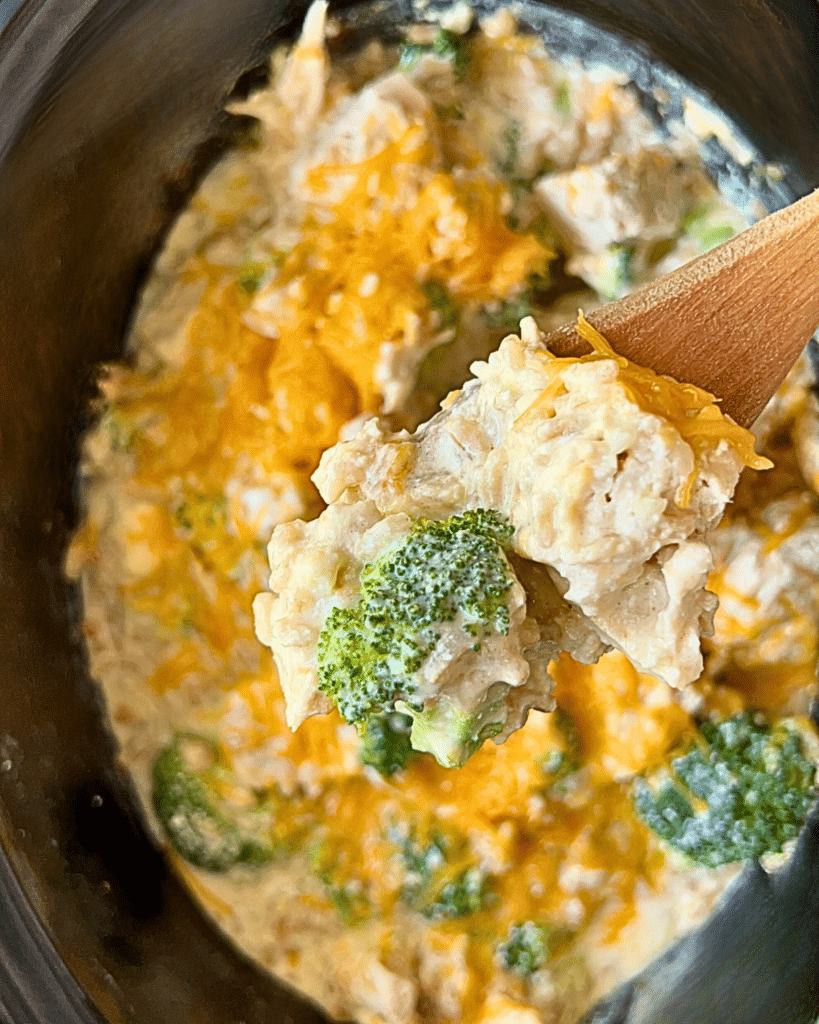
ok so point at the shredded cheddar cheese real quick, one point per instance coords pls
(691, 410)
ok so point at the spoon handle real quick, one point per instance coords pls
(732, 321)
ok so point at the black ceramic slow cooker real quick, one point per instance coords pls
(109, 111)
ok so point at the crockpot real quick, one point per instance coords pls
(109, 112)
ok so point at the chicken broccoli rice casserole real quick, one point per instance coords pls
(457, 679)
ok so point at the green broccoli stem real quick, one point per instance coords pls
(446, 44)
(199, 824)
(385, 743)
(451, 734)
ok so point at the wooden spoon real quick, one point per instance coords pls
(732, 321)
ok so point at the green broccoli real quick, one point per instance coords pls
(706, 224)
(613, 272)
(434, 377)
(120, 429)
(507, 314)
(528, 947)
(564, 756)
(385, 742)
(563, 102)
(370, 655)
(345, 891)
(439, 881)
(441, 302)
(446, 44)
(201, 515)
(741, 790)
(249, 275)
(449, 112)
(507, 157)
(452, 734)
(464, 894)
(195, 800)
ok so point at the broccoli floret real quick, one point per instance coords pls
(249, 275)
(563, 103)
(385, 742)
(441, 302)
(611, 274)
(438, 883)
(369, 655)
(706, 225)
(202, 523)
(506, 159)
(411, 53)
(201, 515)
(198, 807)
(742, 790)
(528, 947)
(563, 757)
(120, 429)
(507, 314)
(449, 112)
(709, 238)
(465, 894)
(344, 890)
(618, 276)
(446, 44)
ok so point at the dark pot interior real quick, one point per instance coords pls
(108, 112)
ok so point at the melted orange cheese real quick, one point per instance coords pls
(627, 722)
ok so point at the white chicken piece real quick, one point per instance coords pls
(626, 196)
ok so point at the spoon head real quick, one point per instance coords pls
(733, 321)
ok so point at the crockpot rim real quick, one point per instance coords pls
(14, 35)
